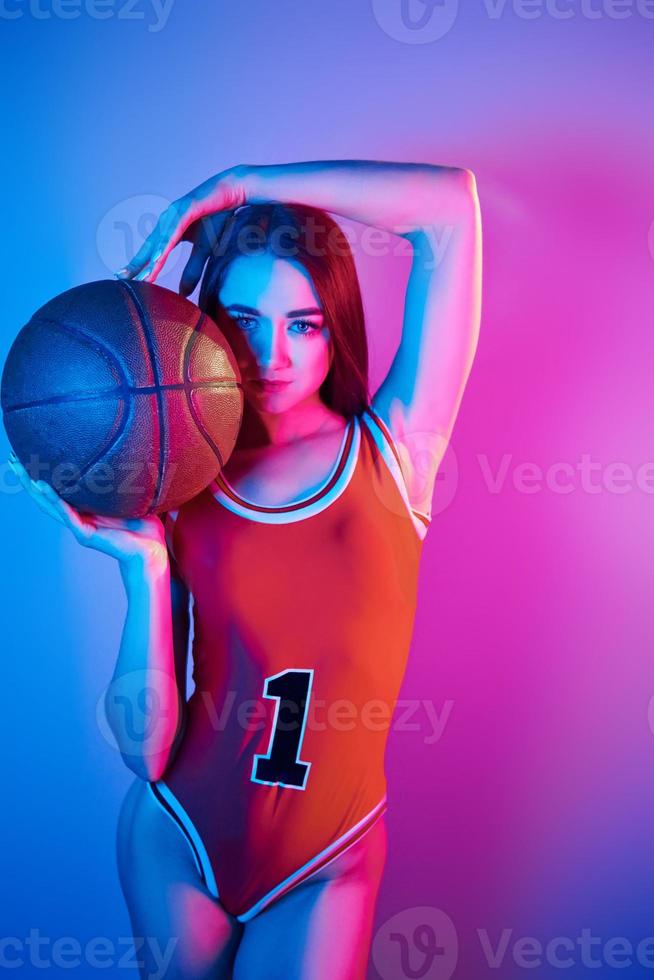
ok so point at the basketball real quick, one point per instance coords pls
(123, 396)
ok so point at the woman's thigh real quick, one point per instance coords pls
(322, 929)
(181, 932)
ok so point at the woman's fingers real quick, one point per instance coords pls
(49, 500)
(137, 262)
(206, 234)
(46, 507)
(85, 529)
(80, 525)
(193, 270)
(168, 232)
(138, 265)
(118, 537)
(215, 195)
(119, 523)
(148, 526)
(33, 489)
(218, 193)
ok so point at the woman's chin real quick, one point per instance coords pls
(269, 399)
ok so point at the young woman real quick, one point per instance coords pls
(255, 834)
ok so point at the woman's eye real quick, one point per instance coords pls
(308, 328)
(311, 327)
(243, 320)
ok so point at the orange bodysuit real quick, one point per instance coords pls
(302, 617)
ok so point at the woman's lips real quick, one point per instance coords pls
(270, 385)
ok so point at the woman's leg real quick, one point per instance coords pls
(174, 918)
(322, 929)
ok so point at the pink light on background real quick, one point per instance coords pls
(533, 810)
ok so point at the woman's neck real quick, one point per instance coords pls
(267, 430)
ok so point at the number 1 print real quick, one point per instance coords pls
(281, 766)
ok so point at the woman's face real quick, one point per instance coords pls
(279, 331)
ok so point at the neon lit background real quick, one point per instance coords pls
(532, 811)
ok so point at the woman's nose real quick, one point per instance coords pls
(274, 351)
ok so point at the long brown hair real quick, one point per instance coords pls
(310, 237)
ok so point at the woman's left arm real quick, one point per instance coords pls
(437, 209)
(399, 197)
(434, 207)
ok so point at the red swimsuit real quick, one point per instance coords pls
(302, 618)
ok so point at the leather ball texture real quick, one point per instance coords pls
(123, 396)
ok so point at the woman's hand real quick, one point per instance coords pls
(137, 541)
(182, 221)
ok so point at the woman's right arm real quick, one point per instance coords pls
(144, 704)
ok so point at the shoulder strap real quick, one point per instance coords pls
(391, 454)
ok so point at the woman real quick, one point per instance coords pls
(255, 834)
